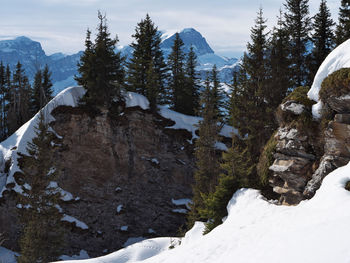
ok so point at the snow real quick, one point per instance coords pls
(18, 141)
(124, 228)
(296, 108)
(155, 161)
(184, 201)
(133, 99)
(77, 222)
(65, 196)
(256, 230)
(190, 123)
(119, 208)
(7, 256)
(180, 210)
(337, 59)
(133, 240)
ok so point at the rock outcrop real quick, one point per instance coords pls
(124, 179)
(305, 151)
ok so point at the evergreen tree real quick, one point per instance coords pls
(207, 157)
(177, 81)
(146, 50)
(218, 93)
(2, 101)
(343, 27)
(42, 237)
(298, 23)
(279, 65)
(322, 38)
(191, 86)
(101, 70)
(19, 101)
(42, 92)
(235, 173)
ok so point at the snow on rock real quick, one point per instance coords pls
(119, 208)
(124, 228)
(65, 196)
(190, 123)
(180, 210)
(77, 222)
(7, 256)
(315, 231)
(337, 59)
(17, 142)
(296, 108)
(184, 201)
(133, 99)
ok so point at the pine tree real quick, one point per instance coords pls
(101, 69)
(279, 65)
(298, 24)
(19, 101)
(2, 101)
(322, 38)
(177, 80)
(191, 86)
(146, 50)
(235, 173)
(207, 157)
(343, 27)
(218, 93)
(42, 238)
(41, 93)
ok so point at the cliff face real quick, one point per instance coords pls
(124, 177)
(306, 153)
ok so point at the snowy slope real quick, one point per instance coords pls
(316, 230)
(337, 59)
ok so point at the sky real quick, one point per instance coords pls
(60, 25)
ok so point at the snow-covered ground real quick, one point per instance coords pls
(255, 230)
(337, 59)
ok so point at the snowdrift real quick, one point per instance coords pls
(337, 59)
(255, 230)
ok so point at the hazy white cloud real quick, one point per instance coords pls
(60, 25)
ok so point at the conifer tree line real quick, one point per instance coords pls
(20, 100)
(276, 62)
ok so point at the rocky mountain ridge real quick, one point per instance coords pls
(64, 67)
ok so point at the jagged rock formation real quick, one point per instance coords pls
(305, 152)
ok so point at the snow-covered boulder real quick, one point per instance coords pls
(337, 59)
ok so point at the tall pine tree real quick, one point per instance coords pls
(208, 167)
(322, 38)
(100, 68)
(343, 27)
(146, 50)
(298, 24)
(177, 81)
(191, 85)
(42, 239)
(42, 92)
(279, 64)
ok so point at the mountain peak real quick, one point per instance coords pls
(23, 39)
(191, 38)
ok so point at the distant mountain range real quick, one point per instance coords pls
(64, 67)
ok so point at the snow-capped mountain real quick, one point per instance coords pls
(32, 56)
